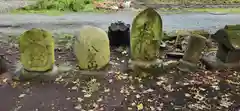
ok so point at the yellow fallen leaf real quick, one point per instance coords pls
(140, 106)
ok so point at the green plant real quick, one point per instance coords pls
(62, 5)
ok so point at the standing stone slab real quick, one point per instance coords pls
(146, 34)
(36, 50)
(92, 48)
(192, 55)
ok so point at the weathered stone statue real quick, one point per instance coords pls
(36, 50)
(193, 52)
(36, 54)
(92, 48)
(146, 35)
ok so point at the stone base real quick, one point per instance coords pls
(94, 73)
(144, 64)
(213, 63)
(23, 74)
(152, 66)
(186, 66)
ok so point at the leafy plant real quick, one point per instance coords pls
(62, 5)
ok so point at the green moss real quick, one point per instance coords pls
(36, 50)
(146, 33)
(234, 38)
(92, 48)
(232, 27)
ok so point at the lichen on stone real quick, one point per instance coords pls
(234, 38)
(146, 33)
(91, 48)
(232, 27)
(36, 50)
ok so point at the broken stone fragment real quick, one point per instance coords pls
(24, 75)
(153, 66)
(144, 64)
(36, 50)
(181, 36)
(211, 62)
(192, 55)
(228, 45)
(91, 48)
(184, 43)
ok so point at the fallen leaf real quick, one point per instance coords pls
(133, 104)
(87, 95)
(21, 95)
(138, 96)
(106, 90)
(79, 99)
(140, 106)
(74, 88)
(78, 107)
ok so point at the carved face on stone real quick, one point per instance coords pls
(37, 50)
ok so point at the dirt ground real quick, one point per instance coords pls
(120, 89)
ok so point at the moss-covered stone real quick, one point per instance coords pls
(36, 50)
(228, 40)
(192, 55)
(146, 34)
(201, 32)
(195, 46)
(232, 27)
(228, 37)
(234, 38)
(92, 48)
